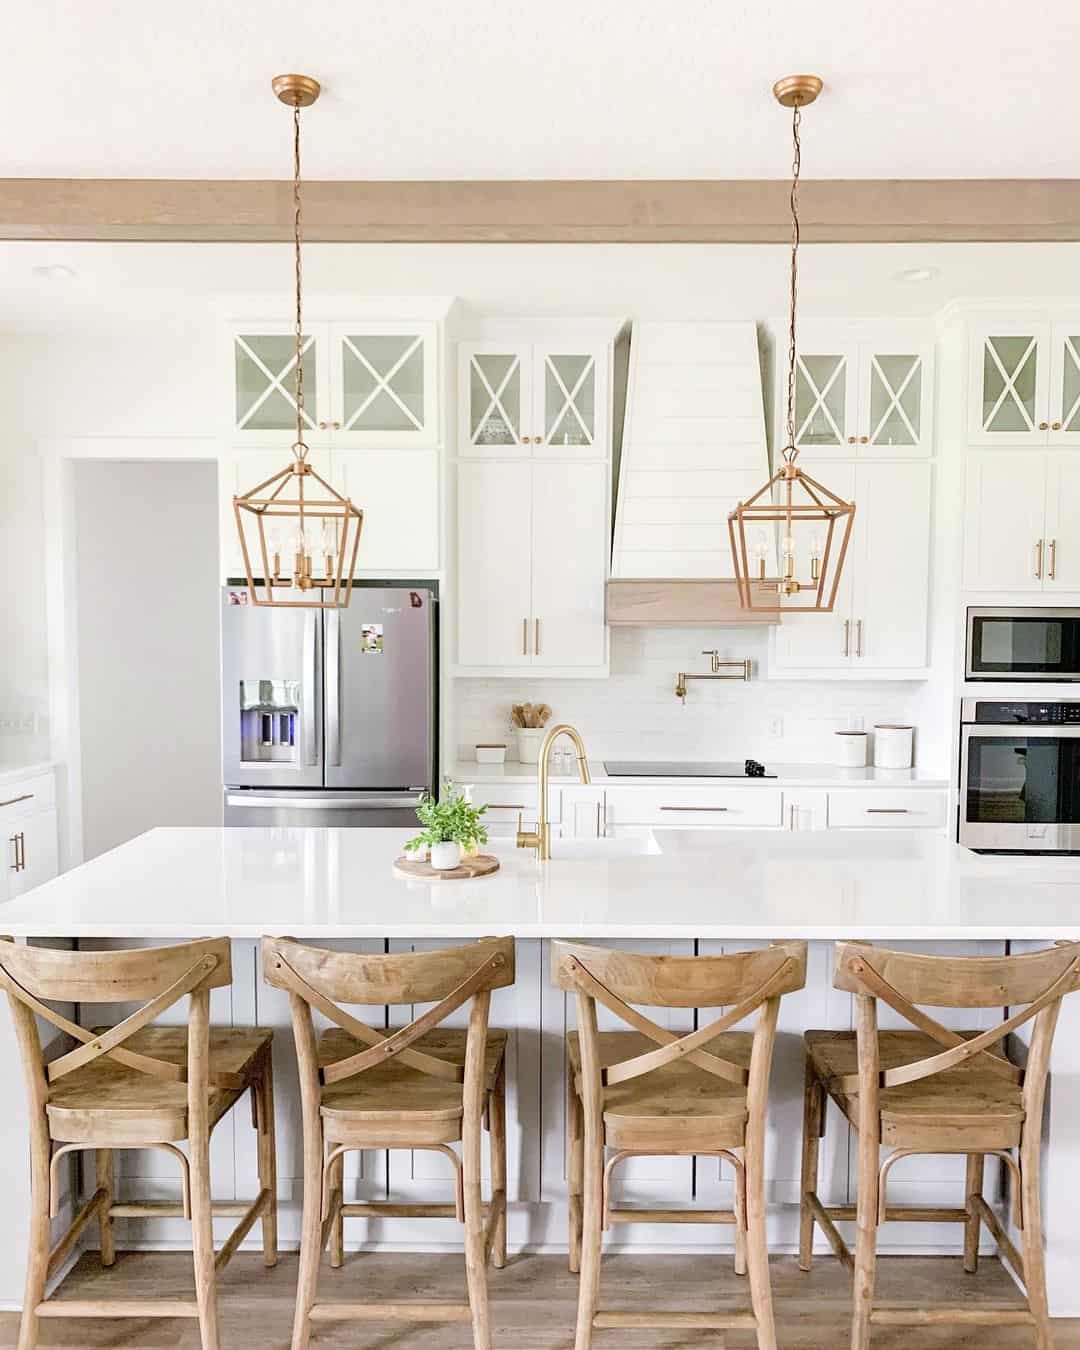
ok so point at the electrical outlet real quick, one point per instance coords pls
(16, 726)
(776, 727)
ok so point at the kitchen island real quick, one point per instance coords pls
(670, 891)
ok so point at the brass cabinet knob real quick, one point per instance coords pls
(851, 440)
(1055, 426)
(324, 426)
(864, 440)
(537, 440)
(525, 440)
(1044, 426)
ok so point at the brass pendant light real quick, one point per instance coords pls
(816, 523)
(320, 528)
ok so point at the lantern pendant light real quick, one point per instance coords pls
(815, 522)
(296, 516)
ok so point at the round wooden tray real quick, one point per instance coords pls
(482, 865)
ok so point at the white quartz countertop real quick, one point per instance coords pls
(785, 775)
(176, 883)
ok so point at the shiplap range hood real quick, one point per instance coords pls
(693, 447)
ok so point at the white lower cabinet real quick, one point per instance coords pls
(886, 809)
(879, 624)
(532, 566)
(805, 809)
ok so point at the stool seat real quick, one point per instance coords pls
(395, 1094)
(676, 1106)
(969, 1105)
(141, 1108)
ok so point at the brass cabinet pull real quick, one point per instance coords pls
(858, 637)
(792, 824)
(599, 828)
(525, 637)
(19, 841)
(505, 806)
(694, 808)
(1038, 559)
(887, 811)
(847, 637)
(536, 642)
(1053, 560)
(23, 797)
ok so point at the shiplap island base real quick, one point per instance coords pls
(665, 891)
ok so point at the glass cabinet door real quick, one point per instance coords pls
(825, 399)
(264, 366)
(894, 412)
(384, 384)
(1009, 386)
(1065, 385)
(495, 400)
(568, 400)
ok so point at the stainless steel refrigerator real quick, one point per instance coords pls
(328, 716)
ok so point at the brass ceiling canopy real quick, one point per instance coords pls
(296, 516)
(815, 522)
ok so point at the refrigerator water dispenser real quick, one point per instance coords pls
(268, 721)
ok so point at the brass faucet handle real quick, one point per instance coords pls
(527, 838)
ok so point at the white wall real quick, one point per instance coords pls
(635, 713)
(148, 651)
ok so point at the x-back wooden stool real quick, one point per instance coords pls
(135, 1085)
(932, 1090)
(422, 1086)
(648, 1091)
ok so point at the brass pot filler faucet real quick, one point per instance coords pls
(743, 668)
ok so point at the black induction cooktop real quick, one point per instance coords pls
(653, 768)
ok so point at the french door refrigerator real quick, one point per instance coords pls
(328, 716)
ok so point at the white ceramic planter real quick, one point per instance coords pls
(445, 856)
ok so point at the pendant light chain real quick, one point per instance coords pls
(790, 451)
(298, 226)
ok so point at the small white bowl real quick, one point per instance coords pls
(490, 754)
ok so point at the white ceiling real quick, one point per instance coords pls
(108, 287)
(559, 89)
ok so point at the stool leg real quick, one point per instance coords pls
(575, 1164)
(865, 1238)
(740, 1220)
(591, 1237)
(757, 1246)
(264, 1112)
(1034, 1261)
(106, 1180)
(976, 1163)
(497, 1140)
(813, 1128)
(37, 1263)
(471, 1131)
(336, 1181)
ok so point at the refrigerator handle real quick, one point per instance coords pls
(307, 695)
(333, 687)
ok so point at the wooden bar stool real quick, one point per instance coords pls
(932, 1090)
(648, 1091)
(421, 1086)
(135, 1086)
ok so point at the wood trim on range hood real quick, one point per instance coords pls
(544, 211)
(680, 602)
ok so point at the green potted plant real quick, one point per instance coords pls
(451, 825)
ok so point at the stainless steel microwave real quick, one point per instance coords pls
(1020, 776)
(1021, 644)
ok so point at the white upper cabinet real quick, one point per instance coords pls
(864, 396)
(494, 589)
(879, 625)
(1025, 383)
(1020, 511)
(547, 399)
(369, 383)
(569, 564)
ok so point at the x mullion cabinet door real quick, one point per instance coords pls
(826, 398)
(384, 384)
(895, 393)
(1064, 359)
(495, 400)
(1009, 386)
(262, 403)
(569, 401)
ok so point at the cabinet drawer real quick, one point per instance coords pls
(882, 809)
(504, 801)
(676, 806)
(23, 796)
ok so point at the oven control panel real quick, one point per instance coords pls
(1022, 714)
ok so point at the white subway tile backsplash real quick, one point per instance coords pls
(634, 713)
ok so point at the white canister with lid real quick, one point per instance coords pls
(893, 745)
(850, 749)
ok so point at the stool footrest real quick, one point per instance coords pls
(117, 1307)
(642, 1215)
(391, 1312)
(697, 1321)
(983, 1315)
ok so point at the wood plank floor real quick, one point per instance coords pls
(533, 1302)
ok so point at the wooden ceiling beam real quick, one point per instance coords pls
(676, 211)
